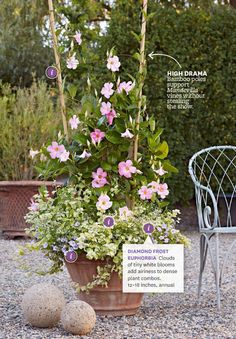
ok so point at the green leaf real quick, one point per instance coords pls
(170, 168)
(106, 166)
(114, 137)
(101, 120)
(72, 89)
(120, 125)
(81, 138)
(162, 150)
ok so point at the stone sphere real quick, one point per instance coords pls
(42, 305)
(78, 317)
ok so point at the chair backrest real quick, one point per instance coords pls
(213, 171)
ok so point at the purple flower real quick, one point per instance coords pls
(63, 239)
(45, 245)
(64, 249)
(55, 248)
(74, 245)
(166, 240)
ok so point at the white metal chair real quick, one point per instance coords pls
(213, 171)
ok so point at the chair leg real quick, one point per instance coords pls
(217, 272)
(203, 254)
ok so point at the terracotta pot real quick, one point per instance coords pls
(105, 301)
(14, 202)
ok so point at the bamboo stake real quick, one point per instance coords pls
(141, 72)
(133, 151)
(58, 65)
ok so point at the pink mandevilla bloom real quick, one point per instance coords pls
(105, 108)
(162, 190)
(85, 154)
(125, 213)
(64, 156)
(97, 136)
(126, 168)
(72, 62)
(108, 111)
(74, 122)
(126, 86)
(110, 116)
(154, 186)
(99, 178)
(127, 134)
(161, 171)
(33, 153)
(77, 37)
(107, 90)
(145, 193)
(113, 63)
(103, 202)
(56, 150)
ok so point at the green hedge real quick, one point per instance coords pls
(200, 40)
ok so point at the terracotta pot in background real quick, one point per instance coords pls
(14, 202)
(105, 301)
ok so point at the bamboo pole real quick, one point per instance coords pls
(141, 72)
(133, 151)
(58, 65)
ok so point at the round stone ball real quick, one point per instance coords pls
(42, 305)
(78, 317)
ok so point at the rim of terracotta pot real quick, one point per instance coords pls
(29, 183)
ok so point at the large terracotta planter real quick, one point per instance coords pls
(14, 202)
(105, 301)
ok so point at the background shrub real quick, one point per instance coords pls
(28, 118)
(201, 40)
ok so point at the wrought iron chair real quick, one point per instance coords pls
(213, 171)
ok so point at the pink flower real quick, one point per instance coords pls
(154, 186)
(145, 193)
(127, 134)
(100, 174)
(33, 153)
(99, 178)
(34, 206)
(103, 202)
(55, 150)
(105, 108)
(126, 86)
(126, 168)
(125, 213)
(110, 116)
(72, 62)
(77, 37)
(99, 183)
(108, 111)
(107, 90)
(97, 136)
(161, 171)
(74, 122)
(64, 156)
(162, 190)
(85, 154)
(113, 63)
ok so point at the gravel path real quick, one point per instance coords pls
(161, 316)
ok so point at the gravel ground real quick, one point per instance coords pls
(161, 316)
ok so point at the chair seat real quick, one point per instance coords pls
(222, 229)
